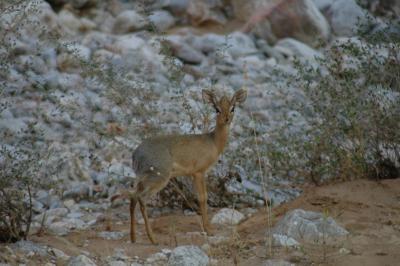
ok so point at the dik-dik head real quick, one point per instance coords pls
(224, 107)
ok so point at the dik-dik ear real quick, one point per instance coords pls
(239, 96)
(209, 96)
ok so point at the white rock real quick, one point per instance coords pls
(343, 15)
(188, 255)
(117, 263)
(227, 217)
(128, 43)
(59, 229)
(161, 20)
(293, 48)
(309, 226)
(59, 254)
(128, 21)
(284, 240)
(277, 262)
(111, 235)
(81, 260)
(69, 20)
(157, 259)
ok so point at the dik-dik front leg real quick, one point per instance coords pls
(200, 183)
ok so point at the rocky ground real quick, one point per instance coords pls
(84, 81)
(351, 223)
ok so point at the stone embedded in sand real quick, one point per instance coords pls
(81, 260)
(227, 217)
(309, 226)
(188, 255)
(277, 262)
(111, 235)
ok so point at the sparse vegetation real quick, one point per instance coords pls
(352, 115)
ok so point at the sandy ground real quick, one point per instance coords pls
(369, 210)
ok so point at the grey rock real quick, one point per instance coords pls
(31, 247)
(278, 196)
(188, 255)
(161, 20)
(59, 254)
(128, 43)
(201, 12)
(81, 260)
(235, 44)
(111, 235)
(292, 48)
(184, 51)
(128, 21)
(284, 240)
(79, 190)
(82, 3)
(277, 262)
(227, 216)
(51, 215)
(176, 7)
(157, 259)
(59, 229)
(117, 263)
(343, 15)
(69, 20)
(309, 226)
(270, 21)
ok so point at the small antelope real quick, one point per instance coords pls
(157, 160)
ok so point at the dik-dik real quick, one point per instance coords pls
(157, 160)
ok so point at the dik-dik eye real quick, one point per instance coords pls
(217, 110)
(233, 109)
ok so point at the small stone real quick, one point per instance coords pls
(277, 262)
(69, 203)
(81, 260)
(227, 217)
(111, 235)
(128, 21)
(344, 251)
(188, 255)
(59, 229)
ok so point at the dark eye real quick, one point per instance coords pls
(233, 109)
(217, 110)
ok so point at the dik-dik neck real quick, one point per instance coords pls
(220, 136)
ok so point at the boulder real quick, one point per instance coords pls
(227, 217)
(308, 226)
(299, 19)
(344, 16)
(188, 255)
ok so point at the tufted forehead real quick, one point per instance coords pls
(224, 101)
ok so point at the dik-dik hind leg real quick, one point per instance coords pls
(201, 188)
(133, 221)
(149, 232)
